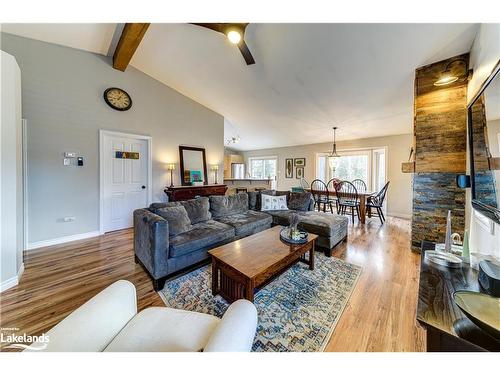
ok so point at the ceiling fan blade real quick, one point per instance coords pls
(247, 55)
(223, 28)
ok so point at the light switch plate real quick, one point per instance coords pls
(66, 161)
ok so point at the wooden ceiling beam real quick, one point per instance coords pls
(130, 39)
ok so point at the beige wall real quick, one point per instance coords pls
(399, 200)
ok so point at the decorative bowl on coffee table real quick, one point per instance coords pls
(286, 237)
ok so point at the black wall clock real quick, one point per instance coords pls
(117, 99)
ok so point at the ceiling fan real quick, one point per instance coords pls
(235, 32)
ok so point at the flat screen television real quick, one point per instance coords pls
(484, 145)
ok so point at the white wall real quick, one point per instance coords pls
(399, 197)
(484, 55)
(11, 180)
(62, 93)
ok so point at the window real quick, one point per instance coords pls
(367, 165)
(263, 167)
(353, 167)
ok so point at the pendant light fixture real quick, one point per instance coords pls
(333, 157)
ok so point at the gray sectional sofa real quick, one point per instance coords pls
(171, 238)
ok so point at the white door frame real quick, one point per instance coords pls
(149, 168)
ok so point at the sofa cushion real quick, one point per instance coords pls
(161, 329)
(178, 219)
(270, 202)
(299, 201)
(203, 235)
(228, 205)
(248, 223)
(323, 224)
(197, 209)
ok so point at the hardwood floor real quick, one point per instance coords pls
(380, 315)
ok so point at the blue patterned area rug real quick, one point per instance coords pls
(298, 310)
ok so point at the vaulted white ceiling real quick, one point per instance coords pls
(307, 77)
(91, 37)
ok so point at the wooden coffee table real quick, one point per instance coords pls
(242, 266)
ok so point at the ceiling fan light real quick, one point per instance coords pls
(234, 36)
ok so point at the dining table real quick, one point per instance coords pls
(363, 199)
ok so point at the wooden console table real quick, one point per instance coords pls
(448, 329)
(180, 193)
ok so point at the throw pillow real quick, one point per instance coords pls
(197, 209)
(178, 219)
(299, 201)
(271, 203)
(154, 207)
(221, 205)
(253, 200)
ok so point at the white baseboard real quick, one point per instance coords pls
(13, 281)
(9, 283)
(60, 240)
(400, 215)
(20, 272)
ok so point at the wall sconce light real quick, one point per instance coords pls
(215, 168)
(447, 76)
(171, 168)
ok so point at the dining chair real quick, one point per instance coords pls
(377, 202)
(360, 185)
(348, 198)
(331, 187)
(321, 196)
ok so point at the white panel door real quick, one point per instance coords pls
(125, 181)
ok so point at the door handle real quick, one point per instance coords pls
(143, 187)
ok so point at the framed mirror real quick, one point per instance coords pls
(484, 145)
(193, 166)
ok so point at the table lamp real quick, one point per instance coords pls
(171, 168)
(215, 168)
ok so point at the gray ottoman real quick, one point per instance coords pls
(331, 228)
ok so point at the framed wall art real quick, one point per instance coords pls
(299, 162)
(288, 168)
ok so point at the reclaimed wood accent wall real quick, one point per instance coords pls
(440, 130)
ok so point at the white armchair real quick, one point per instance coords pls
(109, 322)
